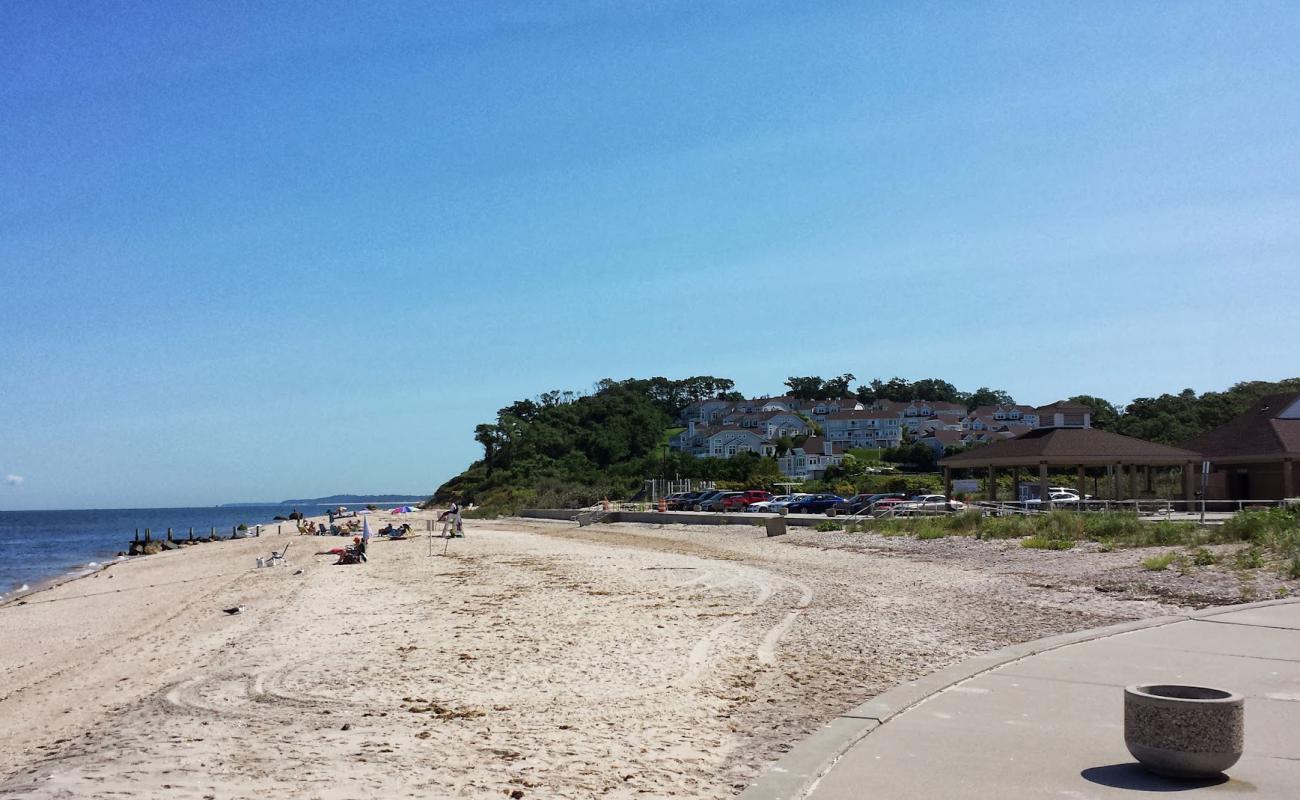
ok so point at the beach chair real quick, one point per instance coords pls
(278, 558)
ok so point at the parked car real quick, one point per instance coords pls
(864, 502)
(1067, 490)
(717, 502)
(814, 504)
(742, 502)
(771, 504)
(683, 500)
(930, 504)
(698, 503)
(671, 500)
(1058, 498)
(888, 504)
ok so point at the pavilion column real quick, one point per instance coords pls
(1015, 483)
(947, 482)
(1132, 481)
(1114, 481)
(1146, 472)
(1081, 483)
(1288, 478)
(1044, 494)
(1189, 483)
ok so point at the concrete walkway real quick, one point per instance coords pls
(1045, 719)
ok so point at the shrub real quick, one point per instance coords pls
(1113, 526)
(1160, 562)
(1039, 542)
(1166, 533)
(828, 526)
(1119, 528)
(966, 522)
(1255, 525)
(1249, 558)
(1203, 558)
(1013, 527)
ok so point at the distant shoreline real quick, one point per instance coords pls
(86, 570)
(339, 499)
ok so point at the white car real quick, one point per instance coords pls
(1057, 496)
(776, 503)
(929, 503)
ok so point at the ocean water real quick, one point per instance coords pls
(39, 546)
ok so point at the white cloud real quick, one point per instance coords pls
(14, 480)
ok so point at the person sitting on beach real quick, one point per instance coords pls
(354, 554)
(397, 533)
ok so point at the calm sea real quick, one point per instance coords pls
(39, 546)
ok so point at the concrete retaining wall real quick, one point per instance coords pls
(549, 513)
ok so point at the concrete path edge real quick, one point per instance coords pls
(796, 773)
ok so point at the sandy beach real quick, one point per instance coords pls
(535, 659)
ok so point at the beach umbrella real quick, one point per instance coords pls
(403, 510)
(365, 529)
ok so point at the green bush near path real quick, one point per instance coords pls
(1273, 535)
(1157, 563)
(1040, 542)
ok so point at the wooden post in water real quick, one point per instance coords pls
(191, 534)
(137, 535)
(169, 534)
(146, 536)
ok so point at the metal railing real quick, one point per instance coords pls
(1143, 507)
(1149, 508)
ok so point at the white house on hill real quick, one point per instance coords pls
(810, 460)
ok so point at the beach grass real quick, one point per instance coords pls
(1272, 535)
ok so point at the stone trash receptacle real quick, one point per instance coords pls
(1178, 731)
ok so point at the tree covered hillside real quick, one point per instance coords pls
(565, 449)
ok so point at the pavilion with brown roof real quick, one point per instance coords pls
(1065, 439)
(1254, 454)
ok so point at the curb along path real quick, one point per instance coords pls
(1030, 720)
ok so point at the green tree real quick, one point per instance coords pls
(1104, 415)
(897, 389)
(984, 396)
(936, 390)
(837, 387)
(808, 387)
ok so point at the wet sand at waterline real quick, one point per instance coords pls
(535, 659)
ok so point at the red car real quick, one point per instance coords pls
(887, 504)
(745, 498)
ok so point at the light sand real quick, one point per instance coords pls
(535, 658)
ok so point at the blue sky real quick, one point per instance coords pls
(254, 251)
